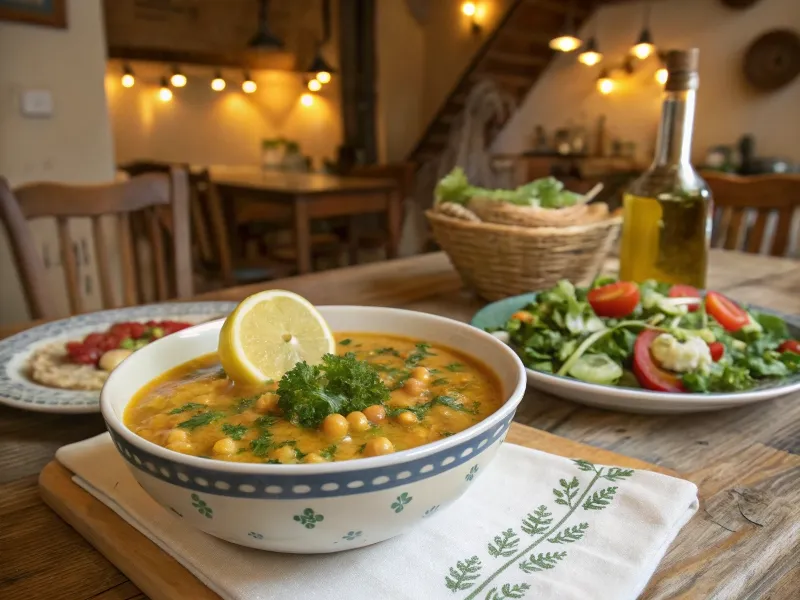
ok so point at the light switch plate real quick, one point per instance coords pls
(36, 103)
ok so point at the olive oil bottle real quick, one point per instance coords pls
(667, 211)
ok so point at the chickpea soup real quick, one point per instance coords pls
(380, 394)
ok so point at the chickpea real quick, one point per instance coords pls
(407, 418)
(335, 426)
(375, 413)
(421, 373)
(177, 435)
(415, 387)
(183, 447)
(378, 446)
(266, 403)
(159, 421)
(225, 446)
(443, 412)
(358, 421)
(313, 458)
(111, 359)
(285, 454)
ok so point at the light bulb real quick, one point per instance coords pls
(565, 43)
(590, 58)
(218, 83)
(165, 94)
(306, 99)
(661, 75)
(469, 9)
(314, 85)
(605, 85)
(249, 86)
(642, 50)
(323, 77)
(128, 80)
(178, 79)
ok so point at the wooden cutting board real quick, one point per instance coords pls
(162, 577)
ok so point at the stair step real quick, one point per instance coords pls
(518, 59)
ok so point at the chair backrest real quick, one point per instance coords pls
(139, 200)
(210, 238)
(743, 206)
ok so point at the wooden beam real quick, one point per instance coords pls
(519, 59)
(277, 61)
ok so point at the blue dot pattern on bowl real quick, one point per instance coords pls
(278, 487)
(22, 392)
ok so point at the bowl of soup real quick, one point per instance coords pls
(220, 456)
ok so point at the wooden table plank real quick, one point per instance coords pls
(289, 184)
(742, 543)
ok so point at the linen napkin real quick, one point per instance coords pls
(532, 525)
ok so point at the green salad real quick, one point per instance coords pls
(652, 335)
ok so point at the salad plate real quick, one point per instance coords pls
(626, 395)
(18, 353)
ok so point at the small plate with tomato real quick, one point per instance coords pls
(648, 348)
(59, 367)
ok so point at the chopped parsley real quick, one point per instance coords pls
(420, 410)
(421, 351)
(455, 367)
(346, 342)
(185, 408)
(440, 381)
(361, 448)
(200, 419)
(235, 432)
(445, 433)
(262, 444)
(388, 350)
(329, 452)
(245, 403)
(266, 421)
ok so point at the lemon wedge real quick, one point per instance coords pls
(269, 333)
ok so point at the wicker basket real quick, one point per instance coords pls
(502, 213)
(505, 260)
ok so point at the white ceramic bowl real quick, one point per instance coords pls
(316, 507)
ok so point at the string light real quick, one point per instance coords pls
(469, 9)
(164, 93)
(567, 41)
(314, 85)
(307, 99)
(178, 79)
(324, 77)
(218, 83)
(661, 75)
(127, 77)
(248, 85)
(590, 55)
(605, 85)
(644, 45)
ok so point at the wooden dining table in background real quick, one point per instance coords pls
(742, 544)
(254, 194)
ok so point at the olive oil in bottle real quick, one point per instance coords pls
(667, 211)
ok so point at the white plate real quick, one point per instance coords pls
(632, 399)
(17, 390)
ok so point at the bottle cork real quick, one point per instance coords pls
(682, 70)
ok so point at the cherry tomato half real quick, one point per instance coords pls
(615, 300)
(726, 311)
(717, 350)
(790, 346)
(648, 373)
(685, 291)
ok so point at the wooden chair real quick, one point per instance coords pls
(736, 198)
(401, 173)
(140, 197)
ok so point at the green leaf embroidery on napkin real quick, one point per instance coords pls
(504, 544)
(574, 495)
(508, 591)
(570, 534)
(542, 561)
(463, 574)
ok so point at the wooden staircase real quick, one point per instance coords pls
(514, 56)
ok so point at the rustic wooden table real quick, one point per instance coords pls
(744, 542)
(259, 195)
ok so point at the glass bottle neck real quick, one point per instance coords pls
(674, 145)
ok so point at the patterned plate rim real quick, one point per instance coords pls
(19, 392)
(790, 383)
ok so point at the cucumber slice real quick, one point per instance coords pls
(596, 368)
